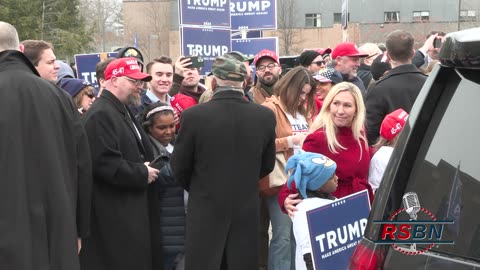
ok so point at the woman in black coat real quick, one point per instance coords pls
(166, 196)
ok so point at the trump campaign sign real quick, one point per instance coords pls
(252, 46)
(86, 65)
(253, 15)
(336, 228)
(206, 42)
(212, 13)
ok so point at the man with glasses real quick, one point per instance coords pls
(346, 60)
(120, 228)
(268, 72)
(372, 50)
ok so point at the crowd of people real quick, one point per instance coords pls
(157, 170)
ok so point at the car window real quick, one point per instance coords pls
(446, 172)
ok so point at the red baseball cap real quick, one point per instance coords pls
(266, 53)
(323, 51)
(393, 123)
(126, 67)
(181, 102)
(346, 49)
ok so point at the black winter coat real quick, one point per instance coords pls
(398, 88)
(45, 171)
(120, 228)
(223, 148)
(168, 218)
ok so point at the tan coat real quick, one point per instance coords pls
(259, 94)
(283, 130)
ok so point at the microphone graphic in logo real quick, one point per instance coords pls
(411, 204)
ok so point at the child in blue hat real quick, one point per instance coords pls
(315, 179)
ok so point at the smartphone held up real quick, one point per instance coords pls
(197, 61)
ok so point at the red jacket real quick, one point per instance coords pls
(352, 168)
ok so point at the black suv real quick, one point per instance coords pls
(437, 157)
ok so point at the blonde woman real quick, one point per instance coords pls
(338, 132)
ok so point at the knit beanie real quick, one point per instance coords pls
(310, 171)
(306, 58)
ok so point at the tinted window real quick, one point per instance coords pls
(446, 172)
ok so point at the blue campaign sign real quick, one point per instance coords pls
(252, 46)
(336, 228)
(212, 13)
(207, 42)
(253, 15)
(86, 64)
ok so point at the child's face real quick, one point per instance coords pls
(331, 185)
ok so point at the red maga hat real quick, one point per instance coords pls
(126, 67)
(346, 49)
(265, 53)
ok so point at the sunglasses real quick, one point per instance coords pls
(319, 63)
(89, 94)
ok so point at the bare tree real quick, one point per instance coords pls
(106, 20)
(286, 12)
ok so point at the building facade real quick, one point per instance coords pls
(312, 24)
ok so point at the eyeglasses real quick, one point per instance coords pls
(319, 63)
(136, 82)
(269, 66)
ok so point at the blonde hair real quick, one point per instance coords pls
(79, 96)
(381, 141)
(324, 119)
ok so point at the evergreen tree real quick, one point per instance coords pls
(55, 21)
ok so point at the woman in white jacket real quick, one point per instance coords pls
(391, 127)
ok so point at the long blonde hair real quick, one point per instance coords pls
(324, 119)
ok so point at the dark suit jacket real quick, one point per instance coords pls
(398, 88)
(120, 230)
(223, 148)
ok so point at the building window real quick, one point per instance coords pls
(337, 17)
(421, 16)
(313, 20)
(392, 16)
(468, 15)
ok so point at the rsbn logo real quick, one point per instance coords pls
(426, 232)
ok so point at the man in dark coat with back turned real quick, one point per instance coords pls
(398, 88)
(120, 235)
(223, 148)
(45, 182)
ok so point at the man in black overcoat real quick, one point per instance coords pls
(120, 235)
(45, 167)
(398, 88)
(223, 148)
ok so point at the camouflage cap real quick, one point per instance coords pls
(230, 69)
(238, 55)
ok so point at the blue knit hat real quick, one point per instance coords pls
(310, 171)
(73, 86)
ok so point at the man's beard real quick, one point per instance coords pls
(134, 99)
(269, 82)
